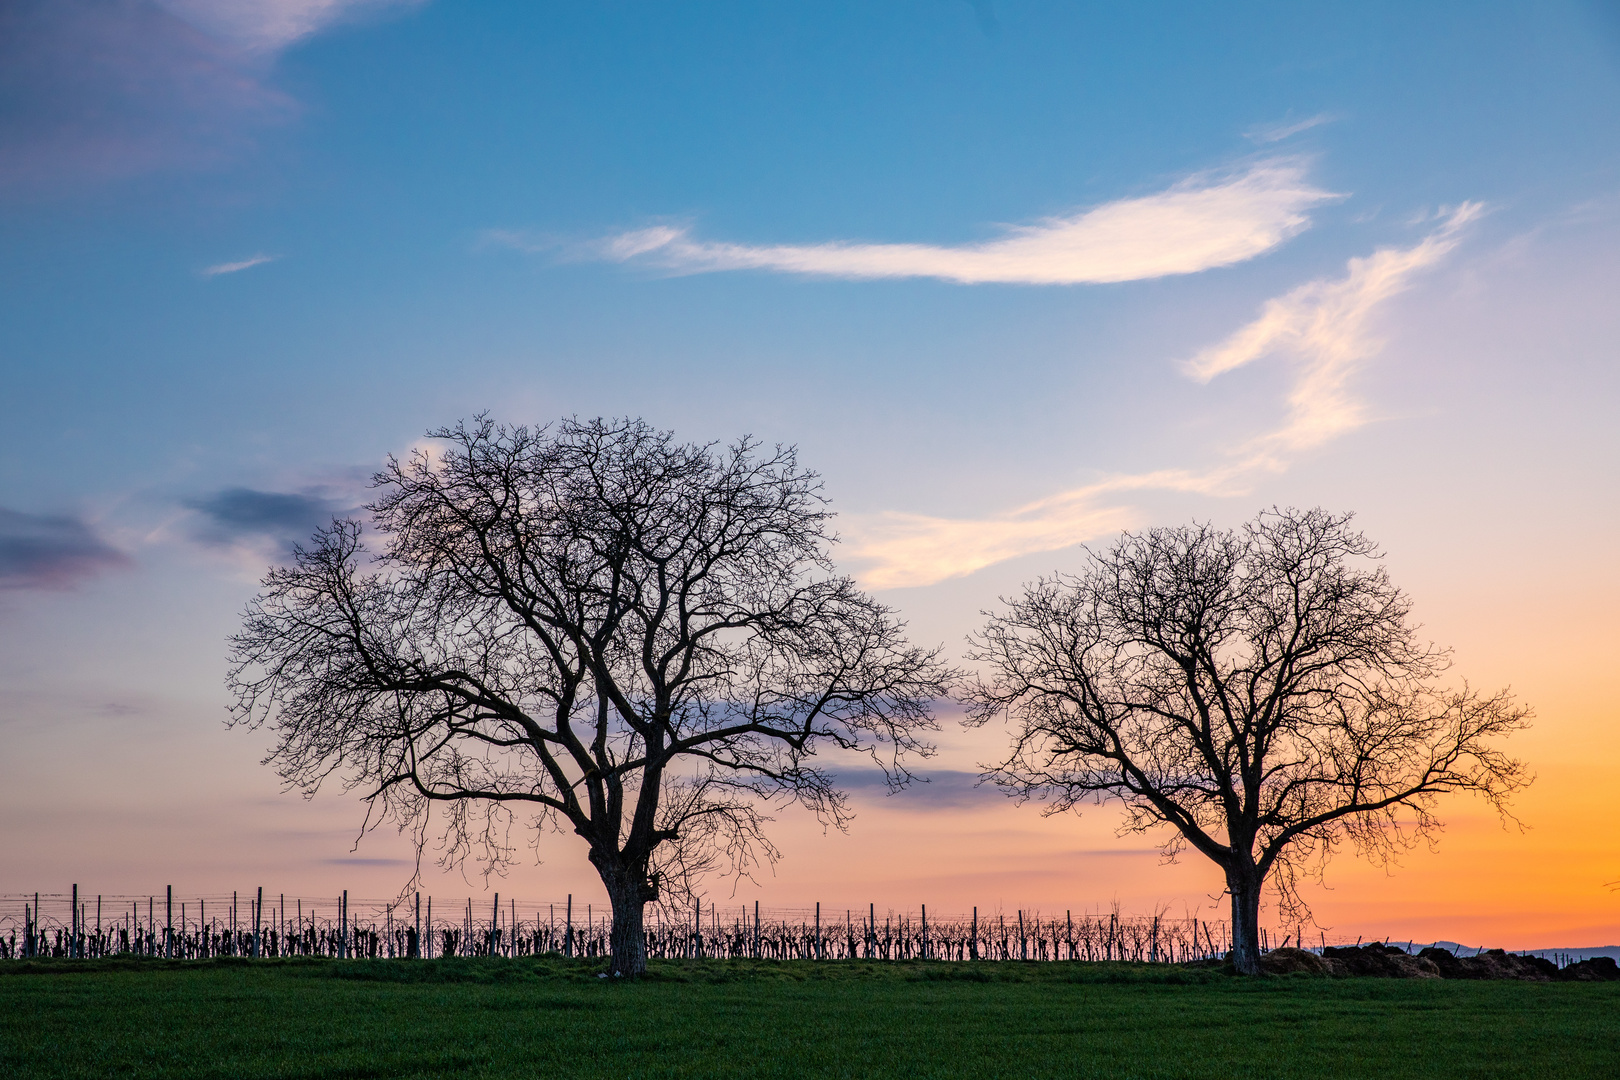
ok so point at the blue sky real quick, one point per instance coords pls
(1012, 276)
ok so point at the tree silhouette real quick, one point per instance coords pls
(1261, 691)
(639, 640)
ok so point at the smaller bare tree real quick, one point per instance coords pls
(641, 640)
(1262, 692)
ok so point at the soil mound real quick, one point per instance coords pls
(1595, 969)
(1295, 962)
(1382, 961)
(1497, 964)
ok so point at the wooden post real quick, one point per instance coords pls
(98, 921)
(416, 952)
(430, 928)
(756, 930)
(258, 922)
(568, 927)
(73, 925)
(818, 929)
(168, 922)
(925, 931)
(973, 935)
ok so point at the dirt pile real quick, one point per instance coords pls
(1595, 969)
(1382, 961)
(1387, 962)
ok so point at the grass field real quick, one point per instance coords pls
(548, 1018)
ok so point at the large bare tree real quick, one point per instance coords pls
(1263, 692)
(639, 640)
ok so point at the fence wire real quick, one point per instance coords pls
(265, 925)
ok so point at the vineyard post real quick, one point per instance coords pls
(925, 931)
(973, 935)
(168, 922)
(430, 928)
(258, 923)
(98, 919)
(1068, 918)
(281, 924)
(1023, 944)
(1153, 946)
(697, 930)
(818, 929)
(568, 928)
(871, 930)
(28, 927)
(73, 925)
(494, 926)
(512, 929)
(756, 930)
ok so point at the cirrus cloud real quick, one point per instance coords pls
(1205, 221)
(1323, 329)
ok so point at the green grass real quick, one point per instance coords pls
(483, 1018)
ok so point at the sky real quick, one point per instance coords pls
(1013, 277)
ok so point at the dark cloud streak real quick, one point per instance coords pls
(240, 514)
(943, 788)
(51, 551)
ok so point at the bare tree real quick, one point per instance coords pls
(639, 640)
(1263, 692)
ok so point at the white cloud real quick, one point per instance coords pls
(1203, 222)
(270, 25)
(234, 267)
(1270, 133)
(1322, 326)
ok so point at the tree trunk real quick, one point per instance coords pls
(628, 892)
(1245, 890)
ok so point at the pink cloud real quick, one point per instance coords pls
(106, 89)
(109, 90)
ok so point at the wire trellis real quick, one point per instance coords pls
(262, 925)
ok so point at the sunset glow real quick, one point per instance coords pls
(1012, 278)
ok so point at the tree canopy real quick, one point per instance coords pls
(1262, 691)
(639, 640)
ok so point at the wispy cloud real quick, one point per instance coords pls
(1203, 222)
(234, 267)
(1325, 327)
(1322, 327)
(262, 521)
(51, 551)
(269, 25)
(1271, 133)
(98, 90)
